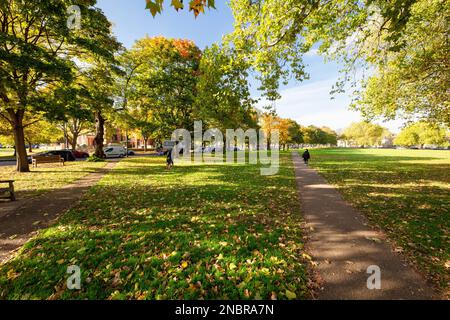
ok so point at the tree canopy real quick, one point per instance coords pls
(413, 81)
(196, 6)
(163, 75)
(402, 44)
(37, 53)
(365, 134)
(421, 133)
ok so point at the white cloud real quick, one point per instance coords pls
(312, 53)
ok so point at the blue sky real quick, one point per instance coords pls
(308, 102)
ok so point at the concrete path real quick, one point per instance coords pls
(344, 246)
(20, 220)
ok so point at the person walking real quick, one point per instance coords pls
(306, 156)
(169, 160)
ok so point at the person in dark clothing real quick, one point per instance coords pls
(169, 159)
(306, 156)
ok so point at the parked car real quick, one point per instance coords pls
(80, 154)
(67, 155)
(115, 152)
(131, 153)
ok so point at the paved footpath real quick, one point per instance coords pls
(19, 221)
(344, 246)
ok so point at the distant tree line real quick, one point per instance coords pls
(419, 134)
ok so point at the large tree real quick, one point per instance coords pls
(406, 41)
(365, 134)
(101, 81)
(163, 82)
(75, 118)
(422, 133)
(37, 51)
(413, 81)
(223, 98)
(321, 136)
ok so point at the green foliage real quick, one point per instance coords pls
(422, 133)
(37, 55)
(94, 158)
(42, 131)
(365, 134)
(321, 136)
(197, 6)
(294, 133)
(161, 77)
(223, 97)
(406, 42)
(413, 82)
(6, 140)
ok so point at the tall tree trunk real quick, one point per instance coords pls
(30, 147)
(145, 143)
(19, 140)
(99, 134)
(66, 136)
(73, 143)
(75, 130)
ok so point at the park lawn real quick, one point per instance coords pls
(6, 154)
(404, 192)
(47, 177)
(208, 231)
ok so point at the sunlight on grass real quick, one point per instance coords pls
(194, 232)
(47, 177)
(405, 192)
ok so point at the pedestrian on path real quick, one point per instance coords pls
(306, 156)
(169, 160)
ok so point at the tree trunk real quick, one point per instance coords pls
(19, 140)
(66, 136)
(99, 134)
(145, 143)
(74, 141)
(30, 147)
(75, 130)
(269, 144)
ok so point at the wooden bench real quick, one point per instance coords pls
(47, 159)
(9, 190)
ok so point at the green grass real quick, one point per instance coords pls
(6, 154)
(404, 192)
(210, 231)
(46, 177)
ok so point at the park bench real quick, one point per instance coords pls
(9, 190)
(47, 159)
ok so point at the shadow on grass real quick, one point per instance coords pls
(407, 196)
(206, 231)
